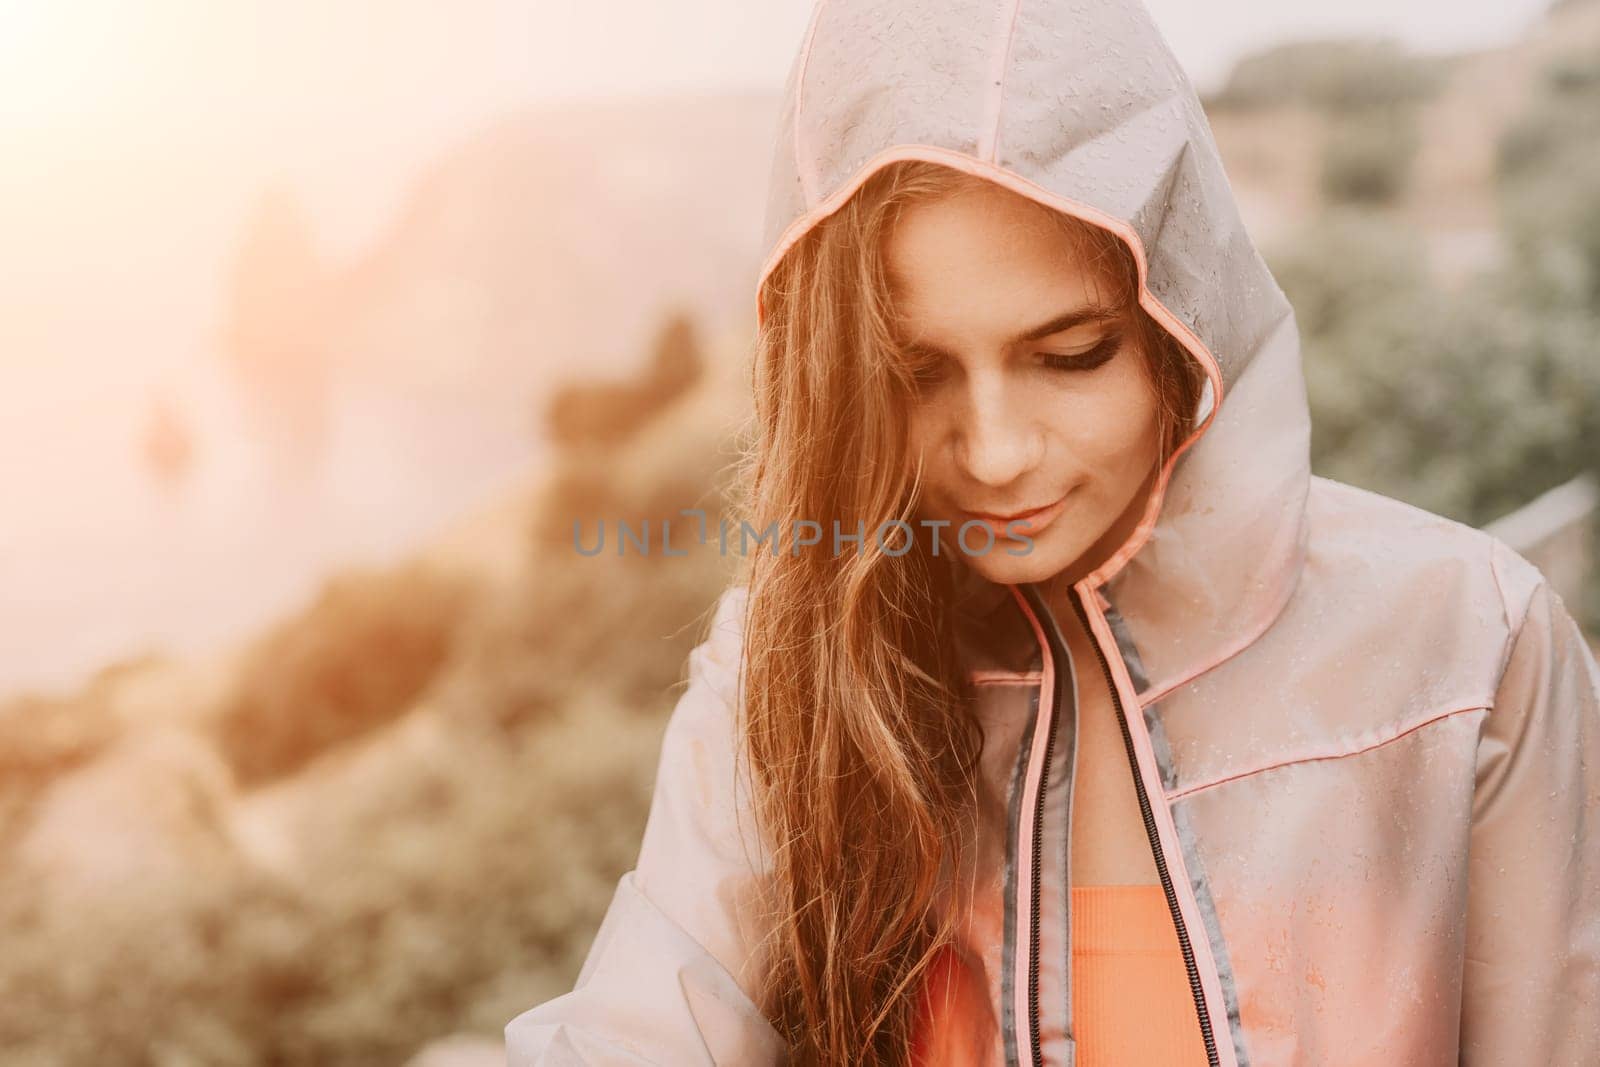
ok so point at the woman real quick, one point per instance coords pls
(1132, 742)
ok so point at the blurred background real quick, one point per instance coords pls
(319, 323)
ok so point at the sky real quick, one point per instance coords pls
(298, 85)
(303, 85)
(641, 44)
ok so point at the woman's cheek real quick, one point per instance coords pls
(1116, 429)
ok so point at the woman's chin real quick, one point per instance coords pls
(1004, 568)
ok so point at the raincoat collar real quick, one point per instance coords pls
(1083, 108)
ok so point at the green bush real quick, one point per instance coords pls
(1549, 177)
(1559, 127)
(1337, 74)
(1367, 155)
(354, 661)
(1346, 264)
(1466, 403)
(1549, 186)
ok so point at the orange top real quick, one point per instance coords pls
(1131, 1001)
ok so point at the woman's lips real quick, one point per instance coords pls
(1024, 523)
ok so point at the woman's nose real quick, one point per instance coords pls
(996, 442)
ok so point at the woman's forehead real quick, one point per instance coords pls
(948, 283)
(940, 246)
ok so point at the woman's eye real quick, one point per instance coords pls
(927, 373)
(1082, 361)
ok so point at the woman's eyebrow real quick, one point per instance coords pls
(1066, 321)
(1079, 316)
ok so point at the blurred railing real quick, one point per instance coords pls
(1553, 532)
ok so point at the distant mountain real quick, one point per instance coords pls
(551, 244)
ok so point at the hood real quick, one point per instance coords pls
(1082, 107)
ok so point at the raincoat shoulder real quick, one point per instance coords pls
(1530, 981)
(670, 975)
(1531, 985)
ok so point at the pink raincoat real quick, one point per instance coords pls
(1367, 737)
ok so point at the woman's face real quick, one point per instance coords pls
(1035, 408)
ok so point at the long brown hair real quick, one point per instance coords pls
(855, 718)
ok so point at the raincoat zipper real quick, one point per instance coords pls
(1053, 634)
(1049, 726)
